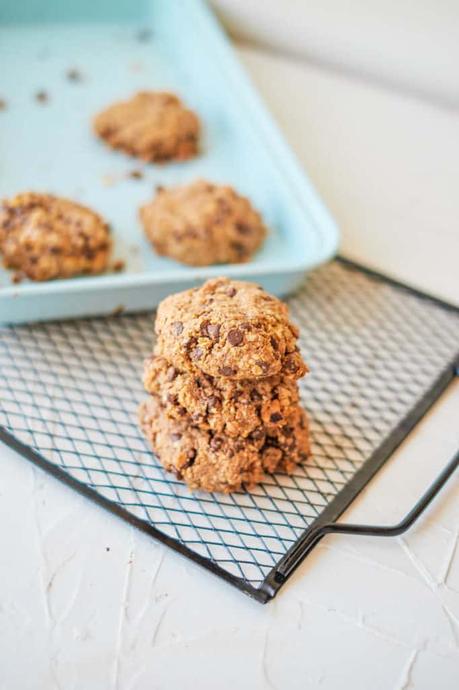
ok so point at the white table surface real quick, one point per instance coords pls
(88, 602)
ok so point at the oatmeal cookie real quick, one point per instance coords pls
(235, 408)
(46, 237)
(216, 462)
(153, 126)
(202, 224)
(230, 329)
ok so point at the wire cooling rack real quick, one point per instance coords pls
(379, 354)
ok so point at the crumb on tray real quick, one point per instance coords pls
(41, 97)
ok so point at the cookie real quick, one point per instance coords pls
(216, 462)
(47, 237)
(201, 224)
(240, 409)
(153, 126)
(230, 329)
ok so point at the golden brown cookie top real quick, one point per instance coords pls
(230, 329)
(203, 223)
(47, 236)
(154, 126)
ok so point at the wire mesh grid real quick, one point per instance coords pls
(70, 391)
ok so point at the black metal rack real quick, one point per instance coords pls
(380, 354)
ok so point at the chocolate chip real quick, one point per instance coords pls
(171, 373)
(274, 343)
(276, 417)
(231, 291)
(238, 247)
(191, 455)
(176, 437)
(197, 353)
(227, 371)
(216, 443)
(291, 365)
(177, 327)
(264, 366)
(255, 395)
(235, 337)
(213, 329)
(210, 330)
(287, 430)
(212, 402)
(243, 228)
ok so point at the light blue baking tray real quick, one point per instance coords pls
(120, 47)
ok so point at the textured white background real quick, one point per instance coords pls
(88, 602)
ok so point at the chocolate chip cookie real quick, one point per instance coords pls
(202, 223)
(46, 237)
(153, 126)
(247, 408)
(217, 462)
(229, 329)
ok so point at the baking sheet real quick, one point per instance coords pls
(118, 49)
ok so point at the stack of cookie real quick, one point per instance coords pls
(224, 402)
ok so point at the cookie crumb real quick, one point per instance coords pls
(118, 265)
(41, 97)
(108, 180)
(144, 35)
(107, 548)
(136, 175)
(73, 75)
(118, 310)
(17, 277)
(3, 104)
